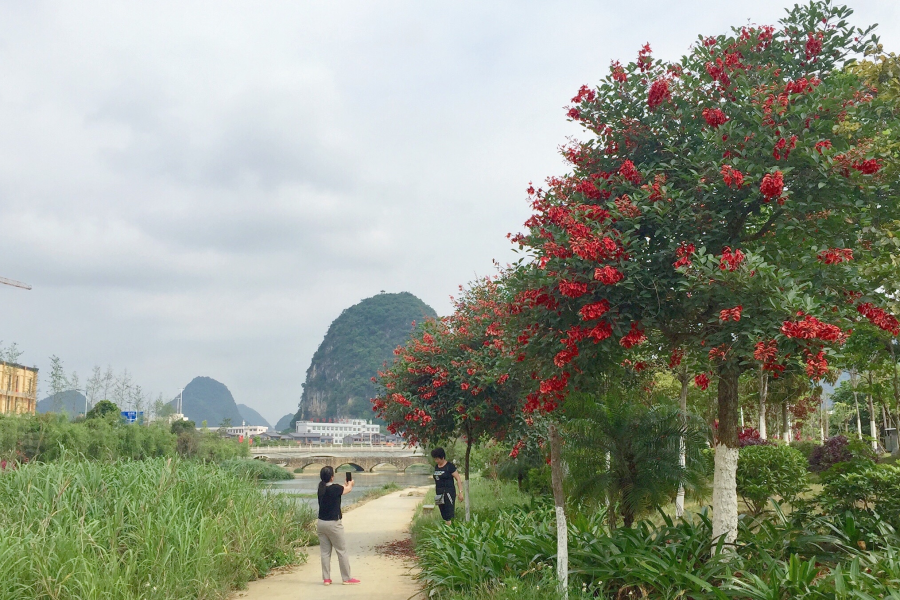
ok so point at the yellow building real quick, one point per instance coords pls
(18, 389)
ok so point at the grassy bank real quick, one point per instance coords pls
(153, 529)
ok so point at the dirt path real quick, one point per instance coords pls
(376, 522)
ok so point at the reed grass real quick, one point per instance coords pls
(153, 529)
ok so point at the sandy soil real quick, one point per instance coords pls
(374, 523)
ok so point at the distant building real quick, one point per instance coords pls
(18, 389)
(372, 438)
(246, 430)
(335, 432)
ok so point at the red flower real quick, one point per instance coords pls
(584, 93)
(816, 366)
(813, 44)
(608, 275)
(589, 312)
(867, 167)
(634, 337)
(627, 207)
(730, 260)
(574, 113)
(676, 357)
(572, 289)
(659, 93)
(835, 255)
(701, 381)
(629, 172)
(879, 317)
(772, 185)
(822, 144)
(618, 72)
(731, 314)
(811, 328)
(714, 117)
(732, 177)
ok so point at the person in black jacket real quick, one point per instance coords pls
(444, 491)
(330, 526)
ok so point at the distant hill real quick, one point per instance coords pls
(70, 402)
(251, 416)
(284, 422)
(205, 399)
(357, 344)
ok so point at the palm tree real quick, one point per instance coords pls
(628, 454)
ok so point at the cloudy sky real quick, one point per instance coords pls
(201, 188)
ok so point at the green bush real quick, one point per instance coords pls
(805, 447)
(869, 490)
(155, 529)
(255, 469)
(768, 471)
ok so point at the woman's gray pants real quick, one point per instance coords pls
(331, 535)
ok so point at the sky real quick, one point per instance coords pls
(200, 188)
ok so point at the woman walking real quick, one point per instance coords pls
(330, 526)
(444, 491)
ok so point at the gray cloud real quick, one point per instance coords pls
(200, 188)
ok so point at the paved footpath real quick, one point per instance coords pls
(376, 522)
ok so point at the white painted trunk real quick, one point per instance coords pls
(763, 395)
(873, 428)
(468, 501)
(724, 501)
(562, 551)
(858, 418)
(682, 458)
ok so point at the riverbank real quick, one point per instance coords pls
(369, 525)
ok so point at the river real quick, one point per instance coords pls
(307, 483)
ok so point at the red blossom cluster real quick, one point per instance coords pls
(655, 189)
(608, 275)
(834, 256)
(824, 144)
(766, 353)
(584, 93)
(618, 72)
(627, 207)
(720, 352)
(772, 185)
(732, 177)
(630, 172)
(572, 289)
(676, 357)
(659, 93)
(517, 447)
(816, 365)
(701, 381)
(731, 314)
(590, 312)
(810, 328)
(783, 147)
(867, 167)
(634, 337)
(814, 44)
(683, 252)
(730, 260)
(644, 59)
(879, 317)
(801, 85)
(714, 117)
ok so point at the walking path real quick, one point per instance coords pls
(376, 522)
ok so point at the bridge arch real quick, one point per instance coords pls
(354, 466)
(424, 467)
(315, 464)
(394, 468)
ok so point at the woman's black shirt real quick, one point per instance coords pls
(330, 503)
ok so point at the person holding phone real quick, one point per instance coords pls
(445, 474)
(330, 526)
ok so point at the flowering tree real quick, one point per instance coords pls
(450, 378)
(722, 201)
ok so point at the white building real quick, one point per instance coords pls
(337, 431)
(246, 430)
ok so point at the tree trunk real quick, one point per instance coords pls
(468, 454)
(763, 396)
(724, 501)
(896, 380)
(679, 497)
(873, 428)
(785, 424)
(559, 499)
(610, 499)
(854, 381)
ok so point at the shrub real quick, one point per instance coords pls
(767, 471)
(255, 469)
(869, 490)
(805, 447)
(839, 449)
(748, 436)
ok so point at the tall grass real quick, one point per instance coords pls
(154, 529)
(256, 469)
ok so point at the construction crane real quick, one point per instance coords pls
(15, 283)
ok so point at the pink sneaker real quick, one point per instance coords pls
(327, 582)
(352, 582)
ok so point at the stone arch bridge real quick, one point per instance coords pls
(362, 462)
